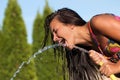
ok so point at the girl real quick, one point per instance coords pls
(100, 35)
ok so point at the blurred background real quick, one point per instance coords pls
(21, 34)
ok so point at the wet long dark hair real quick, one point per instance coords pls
(80, 66)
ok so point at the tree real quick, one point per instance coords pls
(37, 31)
(16, 48)
(60, 61)
(48, 67)
(37, 39)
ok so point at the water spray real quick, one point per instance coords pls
(32, 57)
(46, 48)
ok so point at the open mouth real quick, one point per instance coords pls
(65, 44)
(62, 41)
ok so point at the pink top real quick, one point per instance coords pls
(117, 17)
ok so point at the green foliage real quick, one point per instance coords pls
(48, 66)
(37, 32)
(47, 10)
(15, 49)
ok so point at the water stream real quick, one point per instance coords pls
(38, 52)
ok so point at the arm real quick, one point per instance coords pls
(105, 64)
(108, 26)
(110, 68)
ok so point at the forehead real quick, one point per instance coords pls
(55, 23)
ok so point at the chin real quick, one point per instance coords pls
(70, 47)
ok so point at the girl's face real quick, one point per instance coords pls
(62, 33)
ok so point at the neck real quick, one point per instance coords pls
(83, 35)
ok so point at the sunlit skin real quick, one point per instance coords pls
(108, 67)
(104, 26)
(106, 29)
(71, 34)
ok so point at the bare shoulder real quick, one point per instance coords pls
(98, 21)
(104, 21)
(106, 24)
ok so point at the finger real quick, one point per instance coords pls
(91, 52)
(104, 70)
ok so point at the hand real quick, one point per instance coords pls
(109, 68)
(97, 57)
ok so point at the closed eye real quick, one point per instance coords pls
(55, 31)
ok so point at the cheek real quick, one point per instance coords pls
(67, 34)
(61, 33)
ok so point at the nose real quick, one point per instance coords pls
(55, 38)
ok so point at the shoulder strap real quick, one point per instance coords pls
(117, 17)
(94, 38)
